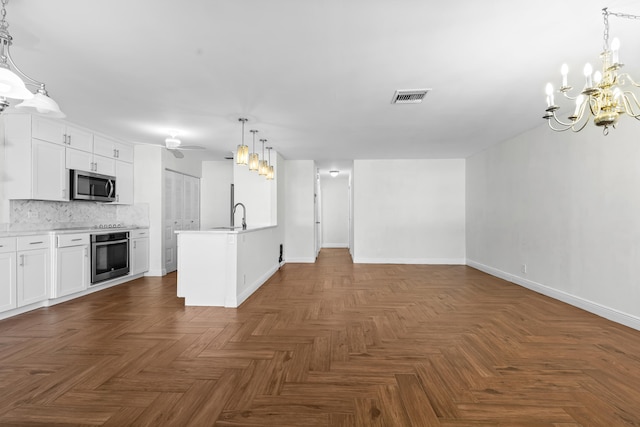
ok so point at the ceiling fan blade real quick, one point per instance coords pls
(177, 154)
(155, 144)
(191, 147)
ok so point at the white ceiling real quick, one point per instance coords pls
(314, 77)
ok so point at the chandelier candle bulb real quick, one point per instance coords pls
(564, 71)
(597, 77)
(549, 91)
(587, 73)
(615, 49)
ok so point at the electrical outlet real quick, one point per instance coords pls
(523, 268)
(32, 214)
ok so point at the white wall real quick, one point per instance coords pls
(258, 195)
(335, 211)
(409, 211)
(567, 206)
(299, 207)
(215, 198)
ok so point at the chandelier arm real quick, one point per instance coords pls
(628, 106)
(564, 129)
(569, 97)
(560, 122)
(576, 130)
(29, 80)
(627, 76)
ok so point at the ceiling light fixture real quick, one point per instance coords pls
(172, 142)
(13, 81)
(254, 160)
(270, 170)
(334, 173)
(263, 168)
(606, 93)
(242, 155)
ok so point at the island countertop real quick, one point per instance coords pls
(225, 230)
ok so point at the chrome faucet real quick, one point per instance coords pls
(244, 216)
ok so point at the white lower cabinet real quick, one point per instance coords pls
(33, 269)
(7, 273)
(71, 264)
(139, 250)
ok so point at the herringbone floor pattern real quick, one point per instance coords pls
(329, 344)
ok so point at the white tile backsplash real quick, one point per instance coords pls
(27, 215)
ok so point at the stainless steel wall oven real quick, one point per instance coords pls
(109, 256)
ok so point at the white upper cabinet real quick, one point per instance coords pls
(33, 168)
(113, 149)
(40, 152)
(60, 133)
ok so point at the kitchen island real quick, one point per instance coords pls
(223, 266)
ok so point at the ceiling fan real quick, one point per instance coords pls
(174, 145)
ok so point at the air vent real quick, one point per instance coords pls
(409, 96)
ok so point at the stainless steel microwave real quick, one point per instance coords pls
(92, 186)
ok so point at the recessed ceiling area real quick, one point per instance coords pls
(315, 78)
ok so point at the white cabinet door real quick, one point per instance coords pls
(79, 139)
(72, 270)
(124, 152)
(33, 276)
(49, 176)
(191, 203)
(124, 183)
(139, 255)
(48, 130)
(173, 207)
(7, 281)
(104, 165)
(80, 160)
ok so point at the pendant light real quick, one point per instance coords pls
(270, 171)
(263, 168)
(242, 156)
(13, 81)
(254, 159)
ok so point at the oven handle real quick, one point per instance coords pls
(110, 242)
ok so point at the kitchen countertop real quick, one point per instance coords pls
(225, 230)
(68, 230)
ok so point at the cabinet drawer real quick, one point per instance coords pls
(65, 240)
(133, 234)
(7, 244)
(27, 243)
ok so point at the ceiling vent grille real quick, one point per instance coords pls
(409, 96)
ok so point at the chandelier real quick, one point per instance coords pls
(606, 95)
(252, 160)
(13, 81)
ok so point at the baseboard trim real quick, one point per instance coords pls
(584, 304)
(256, 285)
(434, 261)
(300, 260)
(335, 245)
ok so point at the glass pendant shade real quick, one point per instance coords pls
(42, 104)
(254, 162)
(271, 174)
(242, 156)
(264, 168)
(12, 86)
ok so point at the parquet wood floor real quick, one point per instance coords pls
(328, 344)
